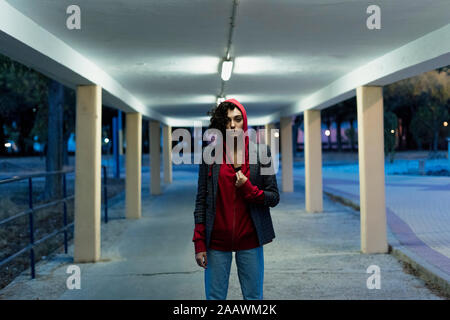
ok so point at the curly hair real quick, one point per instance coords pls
(219, 116)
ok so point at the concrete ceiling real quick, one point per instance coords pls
(166, 54)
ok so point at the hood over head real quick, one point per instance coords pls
(244, 129)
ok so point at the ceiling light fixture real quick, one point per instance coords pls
(227, 62)
(220, 99)
(227, 68)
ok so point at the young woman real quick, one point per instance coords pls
(232, 210)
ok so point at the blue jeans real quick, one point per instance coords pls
(250, 267)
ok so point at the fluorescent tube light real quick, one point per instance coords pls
(219, 100)
(227, 67)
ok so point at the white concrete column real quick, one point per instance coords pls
(313, 161)
(371, 169)
(155, 184)
(268, 127)
(133, 164)
(121, 142)
(120, 132)
(167, 153)
(88, 174)
(286, 154)
(267, 135)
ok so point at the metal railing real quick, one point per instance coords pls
(32, 209)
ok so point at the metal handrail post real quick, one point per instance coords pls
(105, 194)
(65, 212)
(30, 204)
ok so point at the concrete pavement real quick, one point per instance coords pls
(418, 216)
(314, 256)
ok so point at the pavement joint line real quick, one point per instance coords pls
(148, 274)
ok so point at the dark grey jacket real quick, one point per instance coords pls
(205, 203)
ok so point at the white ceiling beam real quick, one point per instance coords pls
(28, 43)
(421, 55)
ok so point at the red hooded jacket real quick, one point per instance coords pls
(233, 226)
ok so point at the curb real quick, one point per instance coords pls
(431, 278)
(433, 281)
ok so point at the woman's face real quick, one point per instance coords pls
(235, 119)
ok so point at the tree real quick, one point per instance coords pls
(32, 106)
(22, 94)
(390, 123)
(41, 123)
(328, 117)
(340, 116)
(347, 112)
(398, 98)
(422, 103)
(54, 155)
(432, 90)
(341, 112)
(418, 127)
(350, 133)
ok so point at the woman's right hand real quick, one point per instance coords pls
(201, 259)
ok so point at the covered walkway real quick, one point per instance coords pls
(314, 256)
(162, 62)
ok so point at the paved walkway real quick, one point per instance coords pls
(417, 209)
(314, 256)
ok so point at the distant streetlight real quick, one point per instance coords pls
(327, 132)
(8, 145)
(445, 123)
(392, 131)
(106, 140)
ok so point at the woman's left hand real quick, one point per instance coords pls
(240, 179)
